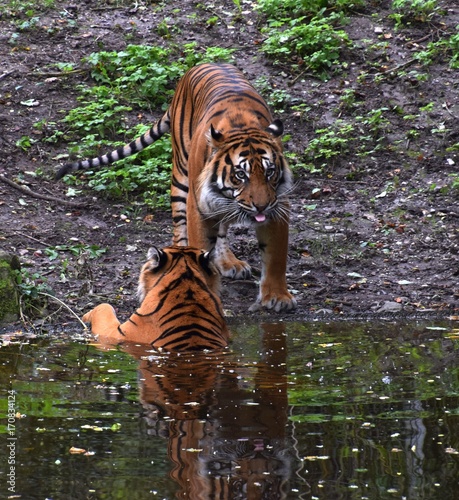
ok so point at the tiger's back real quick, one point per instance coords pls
(179, 308)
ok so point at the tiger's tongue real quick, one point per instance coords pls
(260, 217)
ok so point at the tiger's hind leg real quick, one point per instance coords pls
(179, 197)
(104, 322)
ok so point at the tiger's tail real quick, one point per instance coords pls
(157, 130)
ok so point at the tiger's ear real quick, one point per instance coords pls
(214, 136)
(156, 258)
(276, 128)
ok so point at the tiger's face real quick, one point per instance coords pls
(246, 181)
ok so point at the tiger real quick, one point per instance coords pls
(180, 308)
(228, 167)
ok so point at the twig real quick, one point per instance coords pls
(60, 73)
(450, 112)
(400, 66)
(5, 74)
(32, 238)
(419, 40)
(65, 305)
(31, 193)
(101, 9)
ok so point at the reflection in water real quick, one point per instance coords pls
(345, 411)
(226, 422)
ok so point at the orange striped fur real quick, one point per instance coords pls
(179, 309)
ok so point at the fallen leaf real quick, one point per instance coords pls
(30, 103)
(354, 275)
(77, 451)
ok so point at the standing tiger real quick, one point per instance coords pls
(228, 167)
(179, 311)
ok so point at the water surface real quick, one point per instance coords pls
(326, 411)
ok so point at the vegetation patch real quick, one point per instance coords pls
(141, 78)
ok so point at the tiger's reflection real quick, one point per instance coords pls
(225, 420)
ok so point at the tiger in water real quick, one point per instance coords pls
(228, 167)
(180, 308)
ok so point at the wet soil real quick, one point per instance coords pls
(370, 235)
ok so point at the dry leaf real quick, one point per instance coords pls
(77, 451)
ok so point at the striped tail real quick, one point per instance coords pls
(160, 128)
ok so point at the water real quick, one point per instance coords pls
(326, 411)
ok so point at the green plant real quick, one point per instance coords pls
(142, 77)
(163, 29)
(412, 134)
(454, 181)
(102, 116)
(301, 109)
(276, 9)
(77, 249)
(359, 137)
(146, 174)
(49, 129)
(238, 6)
(212, 21)
(416, 10)
(33, 290)
(29, 8)
(315, 42)
(452, 44)
(138, 75)
(65, 67)
(331, 141)
(348, 99)
(29, 24)
(25, 142)
(446, 48)
(375, 121)
(276, 98)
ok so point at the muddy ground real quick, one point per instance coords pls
(370, 236)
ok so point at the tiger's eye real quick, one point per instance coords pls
(270, 172)
(241, 175)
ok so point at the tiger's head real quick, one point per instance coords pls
(176, 263)
(246, 179)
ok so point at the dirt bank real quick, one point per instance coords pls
(370, 234)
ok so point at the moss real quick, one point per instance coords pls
(9, 302)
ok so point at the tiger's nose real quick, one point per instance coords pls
(260, 208)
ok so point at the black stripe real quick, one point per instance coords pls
(179, 185)
(175, 199)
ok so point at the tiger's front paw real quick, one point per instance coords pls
(279, 301)
(234, 268)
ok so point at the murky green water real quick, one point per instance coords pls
(291, 411)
